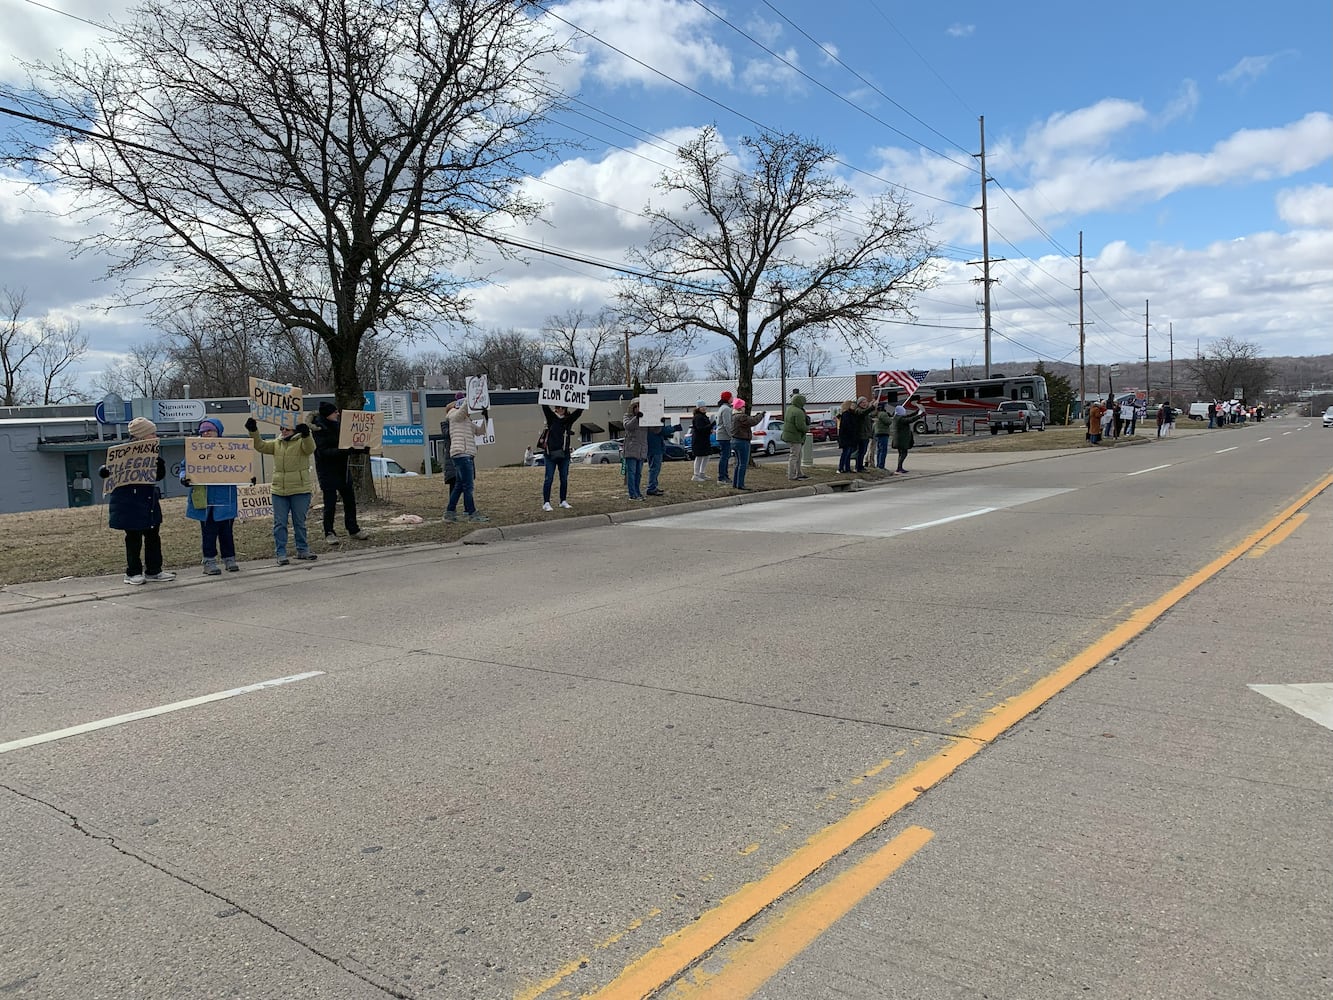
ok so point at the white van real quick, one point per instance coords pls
(1199, 411)
(381, 468)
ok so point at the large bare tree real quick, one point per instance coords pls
(332, 164)
(1229, 367)
(37, 357)
(758, 247)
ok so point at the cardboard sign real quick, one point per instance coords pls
(478, 393)
(488, 437)
(254, 501)
(565, 386)
(359, 429)
(276, 402)
(219, 460)
(652, 406)
(132, 462)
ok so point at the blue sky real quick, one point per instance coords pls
(1190, 141)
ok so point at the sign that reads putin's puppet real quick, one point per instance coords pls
(565, 386)
(276, 402)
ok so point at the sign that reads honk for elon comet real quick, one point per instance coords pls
(563, 386)
(276, 402)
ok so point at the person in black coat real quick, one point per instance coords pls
(849, 435)
(701, 444)
(136, 509)
(559, 446)
(332, 472)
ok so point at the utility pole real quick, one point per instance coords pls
(1082, 339)
(1171, 341)
(628, 378)
(985, 244)
(1147, 357)
(782, 351)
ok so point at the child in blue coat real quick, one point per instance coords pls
(215, 508)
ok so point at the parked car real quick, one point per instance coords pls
(597, 453)
(768, 436)
(676, 453)
(688, 441)
(1017, 415)
(1328, 417)
(824, 430)
(387, 468)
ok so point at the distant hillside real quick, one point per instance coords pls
(1291, 375)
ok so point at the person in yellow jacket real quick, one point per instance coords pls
(291, 451)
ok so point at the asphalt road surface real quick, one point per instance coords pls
(1049, 728)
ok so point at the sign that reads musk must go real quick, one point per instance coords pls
(563, 386)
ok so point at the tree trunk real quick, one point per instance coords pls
(348, 395)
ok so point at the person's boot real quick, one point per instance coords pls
(211, 568)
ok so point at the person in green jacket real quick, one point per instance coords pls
(883, 427)
(795, 426)
(291, 451)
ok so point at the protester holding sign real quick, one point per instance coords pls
(291, 451)
(559, 443)
(635, 449)
(136, 509)
(332, 471)
(215, 507)
(463, 431)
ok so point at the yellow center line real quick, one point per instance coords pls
(756, 960)
(1279, 536)
(680, 950)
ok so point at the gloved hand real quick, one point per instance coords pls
(104, 472)
(185, 481)
(303, 430)
(251, 425)
(485, 413)
(254, 480)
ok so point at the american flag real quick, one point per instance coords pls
(911, 381)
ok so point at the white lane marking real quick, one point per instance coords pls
(1153, 469)
(1262, 440)
(946, 520)
(1285, 433)
(1314, 701)
(1225, 450)
(148, 713)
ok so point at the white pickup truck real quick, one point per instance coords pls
(1017, 415)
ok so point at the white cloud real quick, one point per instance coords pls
(1307, 207)
(669, 35)
(1249, 69)
(1182, 106)
(961, 30)
(764, 76)
(1085, 129)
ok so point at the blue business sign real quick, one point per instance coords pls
(404, 434)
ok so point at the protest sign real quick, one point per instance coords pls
(210, 461)
(132, 462)
(488, 437)
(276, 402)
(564, 386)
(254, 501)
(478, 393)
(652, 407)
(359, 429)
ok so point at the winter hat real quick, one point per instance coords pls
(459, 397)
(724, 397)
(327, 409)
(738, 404)
(142, 427)
(900, 410)
(701, 403)
(211, 422)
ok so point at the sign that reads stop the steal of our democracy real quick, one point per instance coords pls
(211, 461)
(565, 386)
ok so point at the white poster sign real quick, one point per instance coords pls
(489, 436)
(478, 393)
(653, 408)
(565, 386)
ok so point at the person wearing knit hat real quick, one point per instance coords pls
(215, 507)
(141, 429)
(136, 509)
(722, 424)
(701, 444)
(333, 469)
(742, 433)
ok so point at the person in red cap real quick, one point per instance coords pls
(724, 436)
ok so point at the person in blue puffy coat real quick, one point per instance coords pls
(215, 508)
(136, 509)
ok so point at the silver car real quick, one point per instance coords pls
(597, 453)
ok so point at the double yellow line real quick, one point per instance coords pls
(753, 962)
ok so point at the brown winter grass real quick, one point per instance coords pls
(63, 543)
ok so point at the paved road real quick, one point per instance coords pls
(789, 750)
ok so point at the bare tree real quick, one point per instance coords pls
(147, 371)
(585, 341)
(60, 346)
(812, 358)
(36, 357)
(328, 163)
(758, 256)
(1230, 367)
